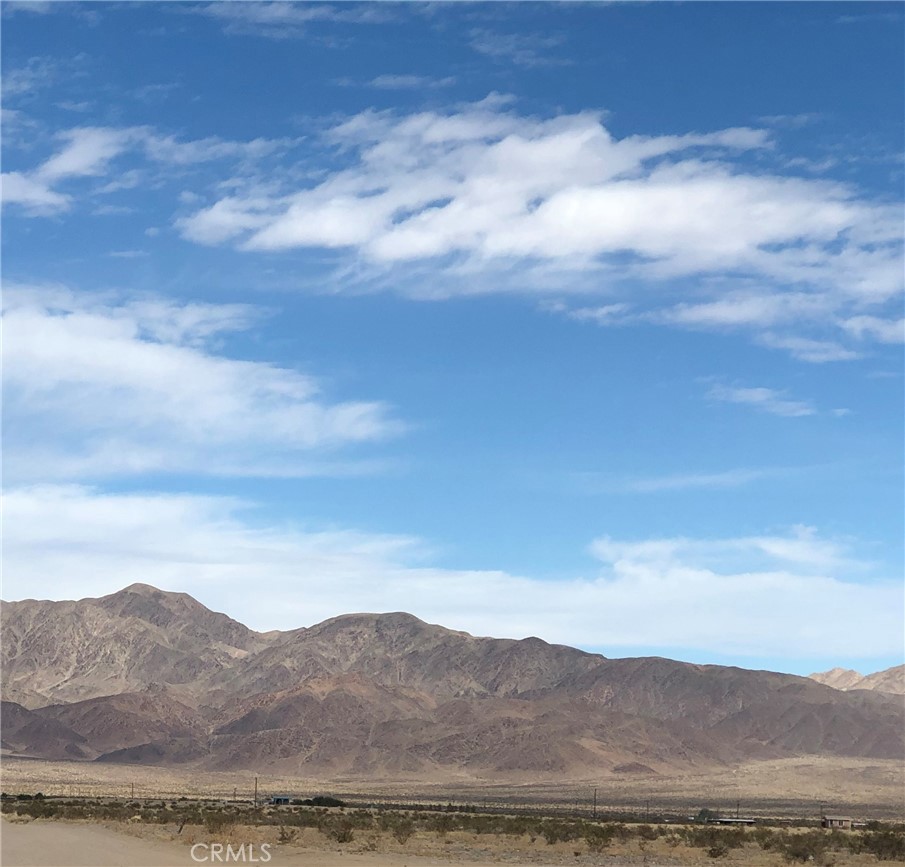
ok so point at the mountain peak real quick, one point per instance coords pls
(142, 589)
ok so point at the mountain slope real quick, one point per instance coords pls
(68, 651)
(147, 676)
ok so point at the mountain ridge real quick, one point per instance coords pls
(143, 675)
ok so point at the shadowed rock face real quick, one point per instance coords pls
(153, 677)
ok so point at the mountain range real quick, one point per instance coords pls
(147, 676)
(891, 680)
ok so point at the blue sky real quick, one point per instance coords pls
(578, 321)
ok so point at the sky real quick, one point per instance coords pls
(581, 321)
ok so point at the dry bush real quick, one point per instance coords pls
(403, 830)
(287, 835)
(217, 822)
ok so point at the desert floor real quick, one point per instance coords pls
(68, 844)
(798, 788)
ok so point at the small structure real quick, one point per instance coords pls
(280, 800)
(735, 820)
(844, 823)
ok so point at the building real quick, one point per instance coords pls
(280, 800)
(843, 823)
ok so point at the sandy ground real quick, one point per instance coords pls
(48, 844)
(799, 787)
(58, 844)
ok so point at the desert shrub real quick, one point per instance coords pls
(554, 831)
(706, 837)
(886, 844)
(765, 838)
(339, 830)
(646, 832)
(36, 809)
(598, 837)
(803, 848)
(721, 850)
(217, 822)
(287, 835)
(403, 830)
(385, 821)
(443, 824)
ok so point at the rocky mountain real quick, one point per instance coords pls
(891, 680)
(67, 651)
(152, 677)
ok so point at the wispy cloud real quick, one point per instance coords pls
(410, 82)
(37, 74)
(100, 386)
(893, 17)
(741, 595)
(88, 152)
(284, 20)
(764, 399)
(521, 49)
(883, 330)
(35, 7)
(809, 349)
(691, 481)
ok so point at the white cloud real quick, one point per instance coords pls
(788, 595)
(765, 399)
(489, 200)
(86, 152)
(31, 193)
(101, 386)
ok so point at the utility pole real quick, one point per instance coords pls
(738, 805)
(595, 802)
(133, 791)
(256, 791)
